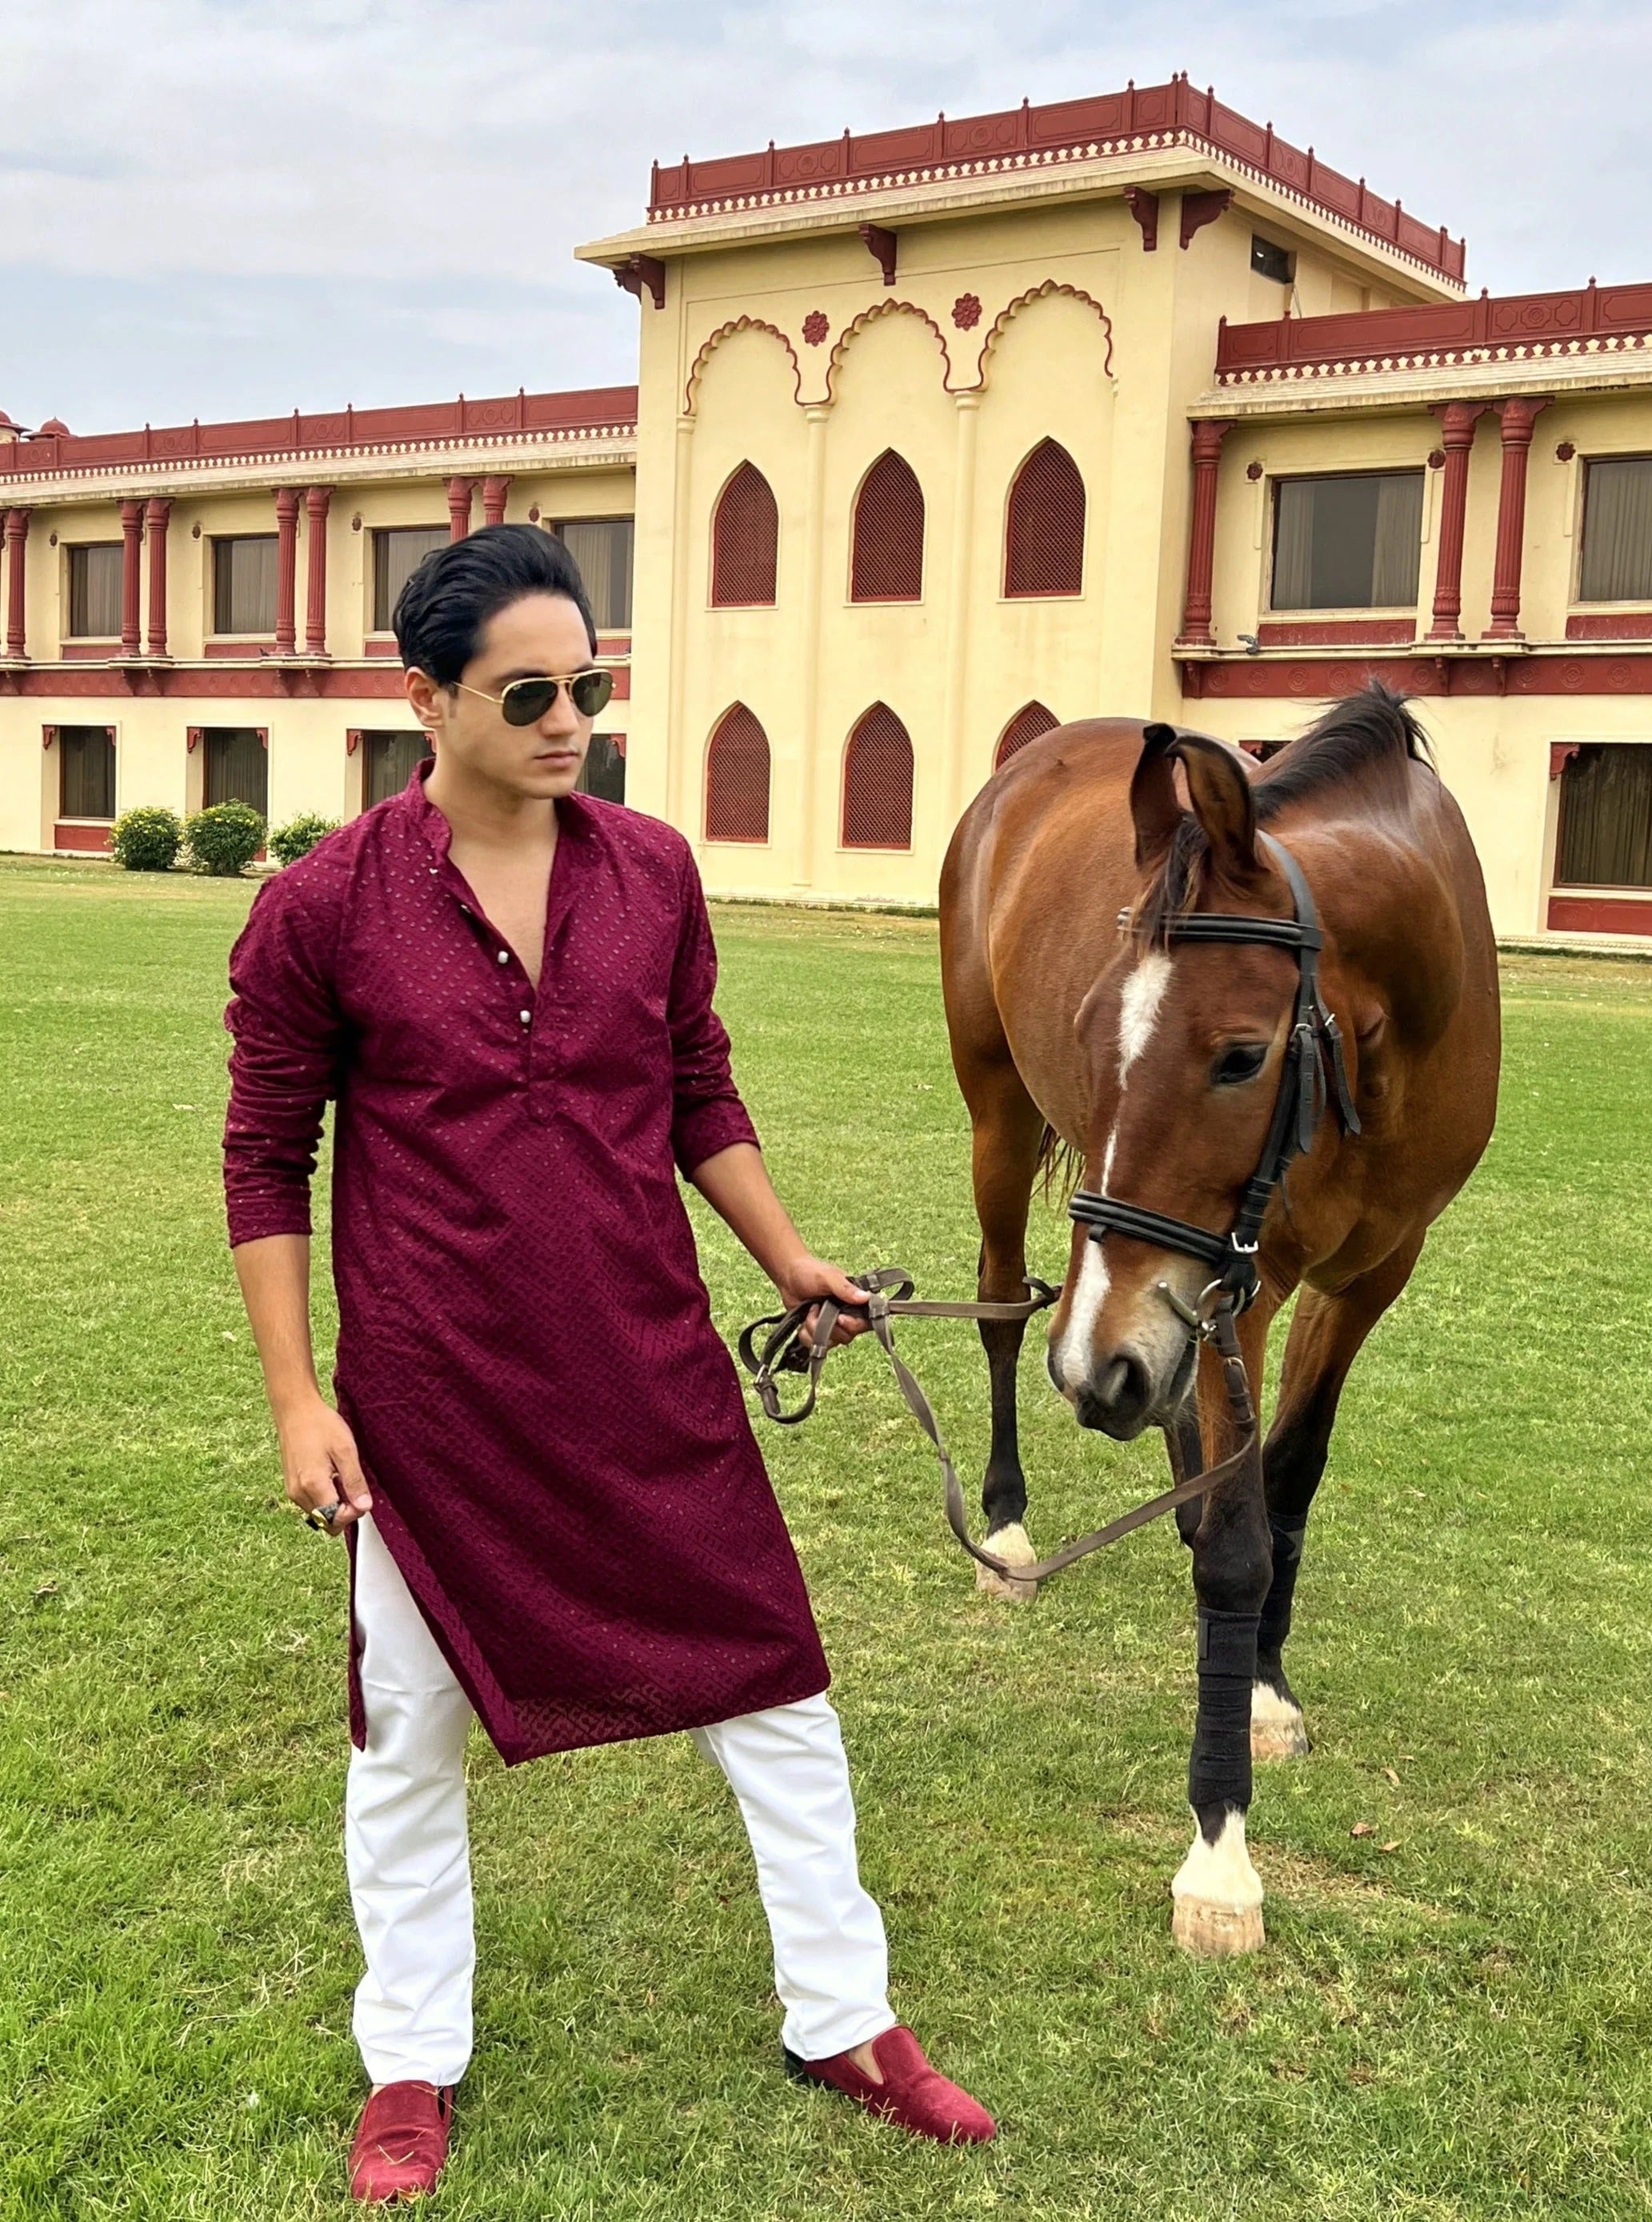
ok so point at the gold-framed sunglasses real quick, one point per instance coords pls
(525, 701)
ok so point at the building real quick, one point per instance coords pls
(940, 436)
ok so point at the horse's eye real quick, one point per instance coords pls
(1238, 1063)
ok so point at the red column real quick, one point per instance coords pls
(1519, 419)
(493, 493)
(1457, 423)
(132, 555)
(286, 571)
(315, 502)
(157, 514)
(1208, 436)
(16, 534)
(459, 507)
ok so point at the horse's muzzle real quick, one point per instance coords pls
(1117, 1398)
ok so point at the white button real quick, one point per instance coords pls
(465, 908)
(504, 956)
(527, 1017)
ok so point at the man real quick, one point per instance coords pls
(558, 1518)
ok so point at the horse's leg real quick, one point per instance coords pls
(1008, 1128)
(1217, 1894)
(1325, 1340)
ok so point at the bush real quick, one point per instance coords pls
(147, 839)
(224, 839)
(299, 836)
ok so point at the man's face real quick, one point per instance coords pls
(541, 636)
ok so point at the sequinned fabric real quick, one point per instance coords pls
(560, 1458)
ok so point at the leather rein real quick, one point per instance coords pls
(1305, 1093)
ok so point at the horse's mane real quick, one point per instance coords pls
(1372, 731)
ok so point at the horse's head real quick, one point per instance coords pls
(1184, 1046)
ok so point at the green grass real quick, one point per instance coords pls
(1460, 2026)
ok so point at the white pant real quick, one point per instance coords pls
(408, 1857)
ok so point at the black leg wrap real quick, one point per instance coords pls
(1287, 1558)
(1219, 1774)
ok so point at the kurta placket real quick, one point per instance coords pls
(561, 1462)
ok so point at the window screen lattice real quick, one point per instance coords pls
(736, 779)
(1026, 725)
(1044, 541)
(745, 541)
(877, 783)
(886, 563)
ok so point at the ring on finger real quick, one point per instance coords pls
(321, 1516)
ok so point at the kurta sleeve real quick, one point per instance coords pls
(288, 1035)
(707, 1113)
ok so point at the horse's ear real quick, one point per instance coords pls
(1220, 792)
(1153, 806)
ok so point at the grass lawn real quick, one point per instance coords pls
(1453, 2015)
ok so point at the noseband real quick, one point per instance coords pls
(1314, 1047)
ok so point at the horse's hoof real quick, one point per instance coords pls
(1010, 1544)
(1216, 1932)
(1276, 1725)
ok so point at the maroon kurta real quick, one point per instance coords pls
(559, 1451)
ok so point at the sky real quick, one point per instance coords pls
(219, 208)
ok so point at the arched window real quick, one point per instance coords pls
(877, 783)
(1026, 725)
(886, 561)
(736, 779)
(745, 541)
(1043, 539)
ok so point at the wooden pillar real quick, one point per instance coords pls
(1208, 436)
(16, 534)
(1457, 423)
(286, 571)
(316, 503)
(459, 507)
(157, 516)
(1519, 418)
(493, 498)
(132, 557)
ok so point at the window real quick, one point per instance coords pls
(886, 561)
(601, 546)
(1618, 531)
(237, 766)
(1349, 543)
(736, 779)
(85, 771)
(1026, 725)
(95, 579)
(1043, 539)
(390, 760)
(1605, 836)
(243, 585)
(745, 541)
(877, 783)
(397, 552)
(603, 772)
(1270, 262)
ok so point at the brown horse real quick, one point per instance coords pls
(1089, 1019)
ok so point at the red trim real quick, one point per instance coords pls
(253, 645)
(1357, 632)
(639, 272)
(1115, 123)
(1519, 418)
(381, 647)
(494, 494)
(1601, 913)
(1208, 436)
(590, 409)
(316, 499)
(622, 684)
(156, 515)
(459, 494)
(1144, 207)
(1316, 678)
(131, 556)
(89, 651)
(1562, 753)
(16, 541)
(1457, 422)
(1436, 333)
(87, 839)
(268, 681)
(287, 570)
(1199, 209)
(881, 245)
(1613, 625)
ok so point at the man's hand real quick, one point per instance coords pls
(318, 1457)
(812, 1277)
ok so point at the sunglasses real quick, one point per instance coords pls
(525, 701)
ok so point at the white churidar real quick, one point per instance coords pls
(409, 1862)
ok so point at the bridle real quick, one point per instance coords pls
(1314, 1048)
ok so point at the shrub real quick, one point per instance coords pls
(299, 836)
(147, 839)
(224, 839)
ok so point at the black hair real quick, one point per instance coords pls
(442, 610)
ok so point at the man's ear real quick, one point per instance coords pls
(1219, 789)
(1153, 806)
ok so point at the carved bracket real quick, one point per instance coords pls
(192, 738)
(639, 271)
(881, 246)
(1199, 209)
(1144, 207)
(353, 740)
(49, 733)
(1562, 753)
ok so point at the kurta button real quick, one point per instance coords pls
(504, 956)
(527, 1017)
(465, 908)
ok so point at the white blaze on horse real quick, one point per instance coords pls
(1258, 1006)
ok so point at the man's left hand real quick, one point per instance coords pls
(808, 1277)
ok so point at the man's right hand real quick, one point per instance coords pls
(319, 1459)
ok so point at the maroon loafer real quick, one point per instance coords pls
(401, 2142)
(912, 2092)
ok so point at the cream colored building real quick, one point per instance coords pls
(1123, 405)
